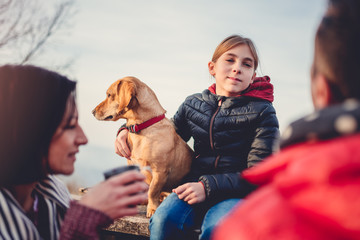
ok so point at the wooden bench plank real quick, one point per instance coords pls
(134, 225)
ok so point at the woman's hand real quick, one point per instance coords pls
(121, 145)
(191, 192)
(118, 196)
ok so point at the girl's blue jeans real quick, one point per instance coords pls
(175, 219)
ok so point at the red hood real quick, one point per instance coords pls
(260, 88)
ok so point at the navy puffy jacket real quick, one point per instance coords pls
(230, 134)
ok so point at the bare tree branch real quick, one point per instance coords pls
(27, 26)
(4, 6)
(56, 22)
(12, 32)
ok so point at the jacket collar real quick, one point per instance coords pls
(331, 122)
(260, 88)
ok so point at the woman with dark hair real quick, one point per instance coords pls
(39, 137)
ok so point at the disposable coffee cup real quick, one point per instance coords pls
(118, 170)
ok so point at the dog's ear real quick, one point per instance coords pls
(126, 95)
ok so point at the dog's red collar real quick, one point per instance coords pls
(136, 128)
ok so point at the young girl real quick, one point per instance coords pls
(234, 127)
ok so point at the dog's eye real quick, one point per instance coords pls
(109, 95)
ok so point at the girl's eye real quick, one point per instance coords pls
(230, 60)
(248, 65)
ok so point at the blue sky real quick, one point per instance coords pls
(167, 44)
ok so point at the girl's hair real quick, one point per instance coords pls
(337, 48)
(33, 102)
(234, 41)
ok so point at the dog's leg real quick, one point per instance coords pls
(148, 176)
(156, 185)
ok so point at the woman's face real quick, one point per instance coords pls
(233, 71)
(65, 144)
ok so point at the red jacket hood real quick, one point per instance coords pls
(260, 88)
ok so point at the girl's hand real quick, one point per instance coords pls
(121, 145)
(118, 196)
(191, 192)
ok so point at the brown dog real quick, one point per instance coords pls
(157, 145)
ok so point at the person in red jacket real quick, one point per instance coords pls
(311, 188)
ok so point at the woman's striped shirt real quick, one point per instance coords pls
(53, 198)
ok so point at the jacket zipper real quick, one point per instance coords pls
(211, 130)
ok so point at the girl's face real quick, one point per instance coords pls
(65, 144)
(233, 71)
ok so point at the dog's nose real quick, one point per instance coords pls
(94, 111)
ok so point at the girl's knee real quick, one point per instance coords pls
(163, 226)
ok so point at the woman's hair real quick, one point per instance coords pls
(33, 102)
(234, 41)
(337, 48)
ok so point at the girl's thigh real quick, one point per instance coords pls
(172, 218)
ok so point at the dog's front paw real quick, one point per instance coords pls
(150, 212)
